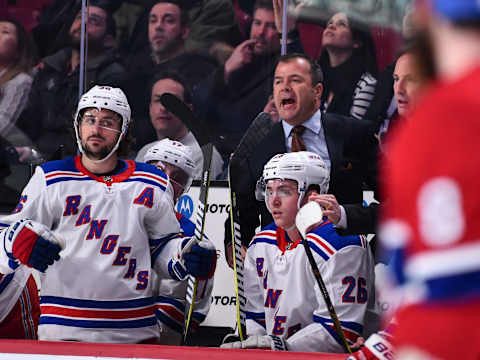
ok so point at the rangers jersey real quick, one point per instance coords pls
(170, 302)
(100, 290)
(283, 297)
(19, 305)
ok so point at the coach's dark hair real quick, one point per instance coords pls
(315, 71)
(175, 76)
(184, 18)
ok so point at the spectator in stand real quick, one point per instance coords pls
(349, 65)
(55, 91)
(239, 90)
(383, 104)
(16, 61)
(169, 126)
(210, 21)
(168, 29)
(407, 87)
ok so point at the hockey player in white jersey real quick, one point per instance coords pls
(285, 309)
(176, 160)
(87, 222)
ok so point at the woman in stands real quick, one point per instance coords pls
(349, 64)
(16, 61)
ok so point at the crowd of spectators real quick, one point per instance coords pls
(221, 58)
(225, 51)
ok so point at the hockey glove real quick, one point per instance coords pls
(30, 243)
(376, 348)
(270, 342)
(198, 260)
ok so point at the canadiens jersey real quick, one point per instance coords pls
(283, 297)
(431, 225)
(170, 299)
(100, 290)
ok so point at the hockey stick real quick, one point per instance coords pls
(185, 114)
(178, 108)
(256, 132)
(207, 151)
(308, 215)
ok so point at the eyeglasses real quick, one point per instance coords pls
(106, 122)
(281, 192)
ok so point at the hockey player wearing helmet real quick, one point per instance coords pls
(175, 159)
(285, 309)
(98, 227)
(430, 226)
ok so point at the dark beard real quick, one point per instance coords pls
(101, 154)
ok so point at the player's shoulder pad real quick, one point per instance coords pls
(268, 235)
(149, 174)
(326, 238)
(67, 164)
(149, 168)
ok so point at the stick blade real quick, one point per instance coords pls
(178, 108)
(309, 214)
(256, 132)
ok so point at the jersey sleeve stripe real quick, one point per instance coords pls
(97, 304)
(160, 179)
(65, 173)
(170, 301)
(352, 330)
(325, 245)
(318, 250)
(93, 324)
(147, 181)
(64, 178)
(166, 318)
(97, 313)
(264, 241)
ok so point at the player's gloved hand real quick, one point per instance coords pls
(376, 348)
(30, 243)
(270, 342)
(198, 260)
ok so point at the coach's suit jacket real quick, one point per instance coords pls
(350, 145)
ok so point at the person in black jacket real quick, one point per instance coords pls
(47, 117)
(239, 90)
(168, 29)
(297, 93)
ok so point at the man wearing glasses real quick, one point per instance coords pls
(90, 224)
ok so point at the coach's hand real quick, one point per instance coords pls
(30, 243)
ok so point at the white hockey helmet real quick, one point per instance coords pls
(304, 167)
(104, 97)
(173, 153)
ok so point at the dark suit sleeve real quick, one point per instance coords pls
(360, 219)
